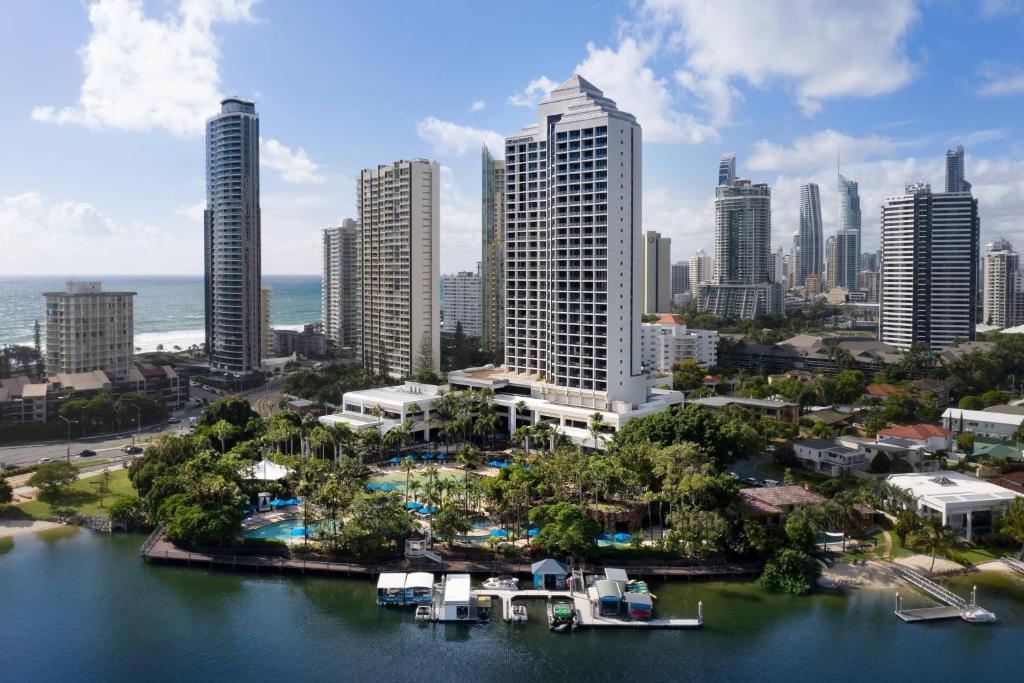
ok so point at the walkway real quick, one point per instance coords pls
(1013, 564)
(956, 606)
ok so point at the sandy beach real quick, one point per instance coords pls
(17, 527)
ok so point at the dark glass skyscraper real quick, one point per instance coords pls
(231, 238)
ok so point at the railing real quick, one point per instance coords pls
(930, 587)
(1012, 563)
(151, 540)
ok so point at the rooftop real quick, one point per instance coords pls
(952, 489)
(982, 416)
(820, 444)
(722, 401)
(781, 496)
(919, 432)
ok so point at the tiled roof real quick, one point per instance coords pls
(919, 432)
(782, 495)
(882, 389)
(670, 319)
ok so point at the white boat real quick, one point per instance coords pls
(502, 583)
(423, 613)
(519, 615)
(977, 615)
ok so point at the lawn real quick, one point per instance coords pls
(83, 498)
(90, 463)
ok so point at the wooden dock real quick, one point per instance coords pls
(955, 607)
(929, 614)
(584, 610)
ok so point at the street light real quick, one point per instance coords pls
(70, 422)
(138, 423)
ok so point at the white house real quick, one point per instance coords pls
(969, 505)
(988, 425)
(667, 341)
(827, 457)
(931, 438)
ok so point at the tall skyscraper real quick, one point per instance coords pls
(849, 231)
(810, 231)
(492, 335)
(657, 293)
(929, 278)
(232, 239)
(266, 331)
(680, 277)
(701, 269)
(1001, 278)
(777, 265)
(462, 303)
(742, 286)
(399, 267)
(794, 261)
(830, 261)
(88, 329)
(727, 169)
(339, 287)
(846, 255)
(955, 170)
(573, 250)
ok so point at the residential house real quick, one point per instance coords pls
(931, 438)
(827, 457)
(761, 407)
(983, 423)
(771, 505)
(971, 506)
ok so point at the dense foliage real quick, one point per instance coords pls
(102, 413)
(790, 570)
(331, 383)
(725, 439)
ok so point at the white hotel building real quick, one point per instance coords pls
(667, 341)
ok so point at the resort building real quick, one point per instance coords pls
(385, 408)
(971, 506)
(88, 329)
(492, 265)
(667, 341)
(462, 304)
(231, 229)
(399, 317)
(340, 284)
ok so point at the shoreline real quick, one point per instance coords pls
(10, 528)
(875, 575)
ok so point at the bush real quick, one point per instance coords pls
(129, 510)
(789, 571)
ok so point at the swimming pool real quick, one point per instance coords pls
(276, 531)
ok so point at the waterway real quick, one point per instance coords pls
(76, 606)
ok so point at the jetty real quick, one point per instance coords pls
(1013, 563)
(954, 607)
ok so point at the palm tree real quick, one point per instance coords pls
(934, 539)
(521, 409)
(467, 456)
(542, 430)
(342, 438)
(318, 438)
(522, 435)
(223, 430)
(1013, 523)
(595, 426)
(408, 464)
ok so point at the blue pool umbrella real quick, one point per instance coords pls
(621, 538)
(442, 456)
(276, 503)
(603, 537)
(292, 501)
(499, 533)
(426, 456)
(532, 531)
(412, 505)
(395, 460)
(426, 511)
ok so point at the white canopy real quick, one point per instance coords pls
(265, 470)
(419, 580)
(391, 581)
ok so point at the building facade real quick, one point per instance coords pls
(492, 271)
(955, 181)
(399, 319)
(680, 278)
(667, 341)
(1001, 268)
(88, 329)
(727, 169)
(266, 330)
(811, 244)
(462, 304)
(702, 269)
(657, 294)
(310, 342)
(340, 284)
(929, 278)
(232, 239)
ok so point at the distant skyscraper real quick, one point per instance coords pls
(794, 261)
(742, 285)
(462, 303)
(955, 181)
(492, 336)
(88, 329)
(777, 269)
(657, 294)
(266, 331)
(339, 288)
(573, 250)
(727, 169)
(399, 267)
(849, 231)
(232, 239)
(701, 269)
(830, 261)
(1001, 268)
(680, 277)
(929, 278)
(847, 260)
(810, 231)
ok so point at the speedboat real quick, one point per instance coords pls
(423, 613)
(519, 615)
(978, 615)
(502, 583)
(560, 616)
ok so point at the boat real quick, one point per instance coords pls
(560, 616)
(978, 615)
(422, 612)
(519, 615)
(502, 583)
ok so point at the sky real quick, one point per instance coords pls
(104, 101)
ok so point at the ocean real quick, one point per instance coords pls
(169, 310)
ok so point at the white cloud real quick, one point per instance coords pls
(815, 150)
(193, 212)
(1001, 79)
(294, 166)
(535, 91)
(460, 225)
(822, 49)
(449, 138)
(690, 224)
(994, 8)
(143, 73)
(624, 75)
(478, 105)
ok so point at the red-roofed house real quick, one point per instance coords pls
(882, 390)
(929, 437)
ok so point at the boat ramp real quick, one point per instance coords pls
(955, 607)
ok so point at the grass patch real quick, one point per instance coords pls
(82, 497)
(975, 555)
(90, 463)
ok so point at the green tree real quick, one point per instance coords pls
(127, 510)
(564, 530)
(1012, 523)
(849, 386)
(934, 539)
(450, 522)
(102, 485)
(965, 442)
(6, 492)
(688, 375)
(789, 571)
(223, 431)
(53, 480)
(971, 403)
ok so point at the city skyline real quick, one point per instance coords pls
(785, 124)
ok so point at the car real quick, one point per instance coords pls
(772, 482)
(173, 420)
(86, 453)
(43, 461)
(734, 476)
(130, 449)
(751, 480)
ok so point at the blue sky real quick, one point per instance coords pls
(103, 107)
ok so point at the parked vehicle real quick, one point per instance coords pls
(173, 420)
(772, 482)
(86, 453)
(130, 449)
(751, 480)
(43, 461)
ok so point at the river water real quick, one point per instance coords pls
(75, 606)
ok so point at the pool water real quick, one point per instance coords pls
(277, 531)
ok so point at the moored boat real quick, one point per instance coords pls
(503, 583)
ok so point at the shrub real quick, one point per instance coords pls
(789, 571)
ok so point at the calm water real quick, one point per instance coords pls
(168, 310)
(86, 607)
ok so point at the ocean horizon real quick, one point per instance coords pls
(169, 309)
